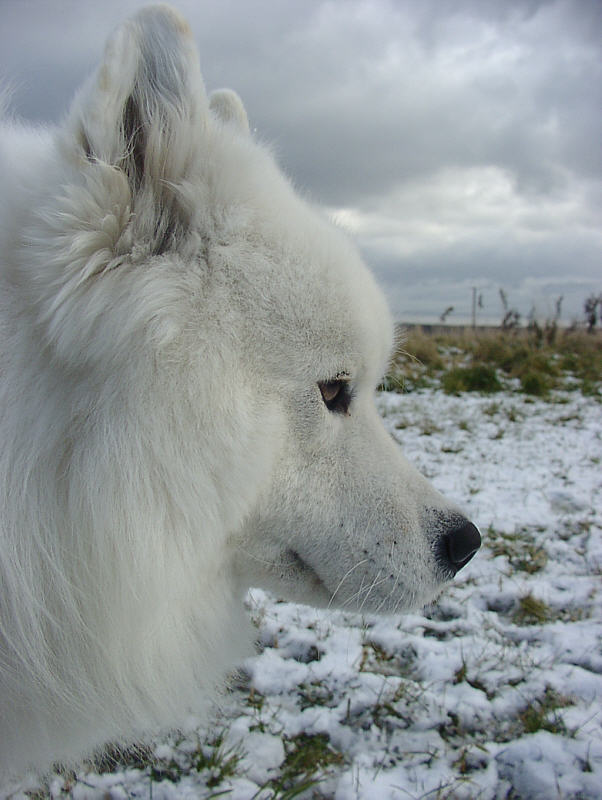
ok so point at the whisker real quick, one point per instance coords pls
(265, 561)
(344, 578)
(365, 590)
(376, 582)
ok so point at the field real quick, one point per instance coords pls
(532, 360)
(494, 691)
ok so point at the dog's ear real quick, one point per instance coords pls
(145, 109)
(228, 107)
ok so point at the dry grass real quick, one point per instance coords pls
(481, 360)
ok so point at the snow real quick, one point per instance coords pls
(493, 692)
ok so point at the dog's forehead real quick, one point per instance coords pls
(325, 312)
(304, 280)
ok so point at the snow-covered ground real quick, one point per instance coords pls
(494, 692)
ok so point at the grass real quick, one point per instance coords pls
(477, 378)
(307, 758)
(212, 759)
(523, 554)
(542, 713)
(536, 383)
(531, 611)
(314, 694)
(379, 661)
(489, 360)
(217, 761)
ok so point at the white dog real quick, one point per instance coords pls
(189, 356)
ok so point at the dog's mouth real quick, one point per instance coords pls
(299, 565)
(307, 573)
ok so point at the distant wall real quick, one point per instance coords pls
(435, 328)
(432, 329)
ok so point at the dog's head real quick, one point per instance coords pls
(181, 250)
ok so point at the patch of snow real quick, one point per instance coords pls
(492, 692)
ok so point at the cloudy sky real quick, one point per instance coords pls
(459, 141)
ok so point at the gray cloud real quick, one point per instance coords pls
(459, 142)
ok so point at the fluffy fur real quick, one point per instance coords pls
(168, 311)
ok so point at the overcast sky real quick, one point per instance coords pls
(459, 141)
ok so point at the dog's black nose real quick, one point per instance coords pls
(459, 545)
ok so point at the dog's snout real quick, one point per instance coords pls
(458, 546)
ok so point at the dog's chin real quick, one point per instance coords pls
(304, 585)
(293, 579)
(288, 577)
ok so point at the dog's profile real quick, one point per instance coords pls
(189, 355)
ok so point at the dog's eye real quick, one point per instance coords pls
(336, 395)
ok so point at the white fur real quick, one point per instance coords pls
(168, 306)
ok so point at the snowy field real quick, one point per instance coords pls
(493, 692)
